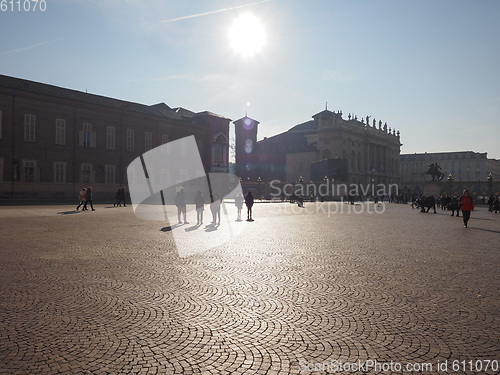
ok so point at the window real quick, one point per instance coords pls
(148, 141)
(59, 172)
(60, 131)
(29, 171)
(87, 129)
(29, 128)
(110, 174)
(219, 150)
(110, 137)
(218, 153)
(164, 138)
(130, 140)
(86, 174)
(87, 136)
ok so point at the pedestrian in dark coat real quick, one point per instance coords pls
(89, 197)
(199, 202)
(491, 200)
(180, 202)
(249, 204)
(215, 208)
(118, 197)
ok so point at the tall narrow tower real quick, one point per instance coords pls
(246, 152)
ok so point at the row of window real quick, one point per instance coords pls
(29, 172)
(444, 156)
(415, 167)
(87, 137)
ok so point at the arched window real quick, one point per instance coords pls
(219, 149)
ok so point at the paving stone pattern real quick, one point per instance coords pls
(105, 293)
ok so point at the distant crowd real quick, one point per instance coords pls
(457, 203)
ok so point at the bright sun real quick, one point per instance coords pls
(247, 35)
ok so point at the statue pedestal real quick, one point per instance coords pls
(432, 188)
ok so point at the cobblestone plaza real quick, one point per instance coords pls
(298, 291)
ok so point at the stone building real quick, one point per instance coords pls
(462, 165)
(346, 150)
(54, 141)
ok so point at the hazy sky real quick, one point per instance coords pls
(429, 68)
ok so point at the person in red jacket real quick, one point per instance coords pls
(466, 206)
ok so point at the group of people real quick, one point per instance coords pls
(120, 198)
(84, 198)
(464, 203)
(215, 205)
(493, 204)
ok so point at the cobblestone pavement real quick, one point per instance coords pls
(104, 292)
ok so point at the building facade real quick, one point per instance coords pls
(345, 150)
(54, 141)
(462, 165)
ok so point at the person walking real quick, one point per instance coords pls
(199, 202)
(238, 201)
(180, 202)
(117, 197)
(82, 197)
(215, 208)
(249, 203)
(122, 197)
(491, 200)
(466, 206)
(89, 197)
(496, 205)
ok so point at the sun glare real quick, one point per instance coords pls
(247, 35)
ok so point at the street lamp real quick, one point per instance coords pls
(259, 180)
(490, 182)
(450, 180)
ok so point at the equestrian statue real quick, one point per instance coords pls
(435, 171)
